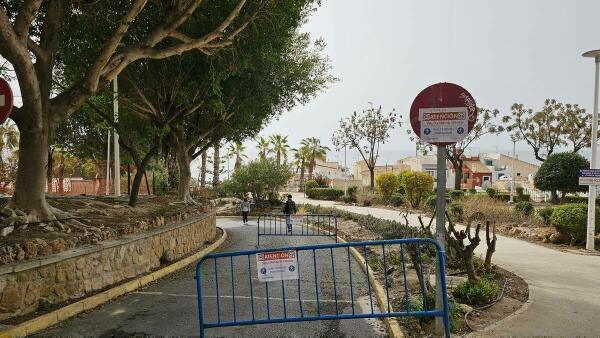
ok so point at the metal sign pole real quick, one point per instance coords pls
(440, 230)
(591, 217)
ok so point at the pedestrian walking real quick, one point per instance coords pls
(245, 210)
(289, 208)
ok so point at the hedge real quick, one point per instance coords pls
(578, 199)
(330, 194)
(571, 219)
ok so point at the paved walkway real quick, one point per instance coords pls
(564, 287)
(169, 307)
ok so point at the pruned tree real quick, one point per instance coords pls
(366, 132)
(542, 130)
(491, 245)
(465, 252)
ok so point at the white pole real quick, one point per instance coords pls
(440, 229)
(108, 164)
(512, 172)
(345, 174)
(591, 219)
(116, 140)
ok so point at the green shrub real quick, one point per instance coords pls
(397, 200)
(491, 192)
(477, 292)
(571, 219)
(351, 191)
(524, 208)
(578, 199)
(417, 186)
(330, 194)
(387, 184)
(545, 214)
(519, 190)
(349, 199)
(456, 194)
(431, 201)
(367, 198)
(322, 181)
(522, 198)
(472, 191)
(456, 210)
(310, 184)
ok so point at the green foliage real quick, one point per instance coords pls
(476, 292)
(578, 199)
(559, 173)
(366, 198)
(524, 208)
(456, 194)
(310, 184)
(397, 200)
(571, 219)
(491, 192)
(349, 199)
(331, 194)
(322, 181)
(545, 214)
(417, 186)
(352, 191)
(431, 201)
(262, 178)
(519, 190)
(472, 191)
(456, 210)
(387, 185)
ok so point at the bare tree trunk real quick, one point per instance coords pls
(135, 186)
(372, 171)
(30, 184)
(457, 174)
(216, 164)
(301, 188)
(491, 245)
(49, 170)
(203, 170)
(185, 174)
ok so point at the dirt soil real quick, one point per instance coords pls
(515, 294)
(90, 220)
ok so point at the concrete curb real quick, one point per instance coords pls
(44, 321)
(391, 323)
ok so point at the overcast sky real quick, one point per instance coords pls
(387, 51)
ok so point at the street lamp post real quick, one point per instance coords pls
(591, 216)
(512, 172)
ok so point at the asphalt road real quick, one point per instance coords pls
(169, 306)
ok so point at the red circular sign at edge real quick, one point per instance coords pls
(6, 100)
(443, 95)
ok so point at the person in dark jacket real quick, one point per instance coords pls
(289, 208)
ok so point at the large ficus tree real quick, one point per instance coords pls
(366, 132)
(105, 37)
(559, 173)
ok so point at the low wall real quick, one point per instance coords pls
(72, 274)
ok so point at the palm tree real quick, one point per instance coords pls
(280, 147)
(216, 164)
(300, 159)
(264, 147)
(236, 149)
(316, 151)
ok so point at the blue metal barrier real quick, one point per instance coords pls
(232, 283)
(311, 225)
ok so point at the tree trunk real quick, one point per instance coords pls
(468, 260)
(302, 176)
(185, 174)
(203, 170)
(238, 163)
(457, 174)
(553, 197)
(135, 186)
(372, 172)
(30, 184)
(49, 170)
(216, 164)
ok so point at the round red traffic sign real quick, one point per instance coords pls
(443, 114)
(6, 100)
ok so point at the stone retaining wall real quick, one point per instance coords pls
(72, 274)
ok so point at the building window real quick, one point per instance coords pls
(432, 173)
(518, 174)
(466, 176)
(489, 162)
(486, 178)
